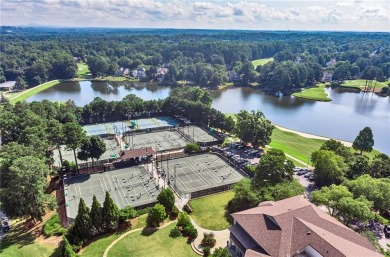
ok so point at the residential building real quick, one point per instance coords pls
(294, 227)
(7, 86)
(139, 73)
(161, 73)
(331, 63)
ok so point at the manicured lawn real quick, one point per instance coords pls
(295, 145)
(361, 83)
(315, 93)
(209, 211)
(261, 62)
(18, 243)
(157, 244)
(83, 71)
(99, 245)
(32, 91)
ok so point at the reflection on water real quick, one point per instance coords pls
(341, 118)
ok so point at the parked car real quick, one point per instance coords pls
(386, 231)
(311, 178)
(307, 174)
(301, 172)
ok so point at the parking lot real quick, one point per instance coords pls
(240, 155)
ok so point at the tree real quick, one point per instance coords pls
(208, 239)
(23, 194)
(66, 249)
(221, 252)
(358, 166)
(74, 135)
(166, 198)
(55, 135)
(110, 213)
(254, 128)
(156, 215)
(81, 229)
(92, 147)
(330, 197)
(329, 167)
(380, 166)
(337, 147)
(96, 215)
(20, 83)
(273, 168)
(364, 141)
(355, 209)
(244, 197)
(281, 190)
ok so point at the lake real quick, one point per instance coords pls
(342, 118)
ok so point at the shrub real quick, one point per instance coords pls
(156, 215)
(175, 232)
(53, 226)
(183, 220)
(127, 213)
(66, 249)
(208, 240)
(144, 211)
(191, 231)
(206, 251)
(192, 148)
(175, 212)
(167, 198)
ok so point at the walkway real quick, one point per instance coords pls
(222, 237)
(128, 233)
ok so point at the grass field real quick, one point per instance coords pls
(20, 96)
(83, 71)
(315, 93)
(18, 243)
(361, 83)
(209, 211)
(159, 243)
(261, 62)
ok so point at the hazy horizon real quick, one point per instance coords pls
(278, 15)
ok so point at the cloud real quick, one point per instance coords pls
(264, 14)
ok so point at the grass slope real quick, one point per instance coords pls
(295, 145)
(209, 211)
(315, 93)
(20, 96)
(83, 71)
(261, 62)
(157, 244)
(18, 243)
(361, 83)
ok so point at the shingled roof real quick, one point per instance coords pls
(286, 227)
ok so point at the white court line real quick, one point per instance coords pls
(105, 184)
(210, 172)
(185, 173)
(124, 194)
(117, 187)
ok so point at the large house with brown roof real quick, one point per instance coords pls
(294, 227)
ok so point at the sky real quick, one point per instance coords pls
(319, 15)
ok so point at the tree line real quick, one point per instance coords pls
(33, 56)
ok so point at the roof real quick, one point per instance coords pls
(134, 153)
(7, 84)
(287, 226)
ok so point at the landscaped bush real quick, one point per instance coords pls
(175, 232)
(175, 212)
(192, 148)
(190, 231)
(144, 211)
(208, 240)
(53, 226)
(206, 251)
(183, 220)
(127, 213)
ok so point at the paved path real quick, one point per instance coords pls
(128, 233)
(222, 236)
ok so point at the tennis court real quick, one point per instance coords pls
(197, 134)
(112, 151)
(128, 187)
(160, 140)
(120, 127)
(200, 174)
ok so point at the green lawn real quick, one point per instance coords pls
(209, 211)
(295, 145)
(83, 71)
(315, 93)
(157, 244)
(261, 62)
(99, 245)
(361, 83)
(18, 243)
(32, 91)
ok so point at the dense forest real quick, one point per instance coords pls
(207, 58)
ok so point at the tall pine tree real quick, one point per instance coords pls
(82, 226)
(96, 216)
(110, 213)
(67, 250)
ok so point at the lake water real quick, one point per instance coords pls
(343, 118)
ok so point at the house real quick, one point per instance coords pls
(161, 73)
(326, 76)
(233, 76)
(135, 155)
(122, 72)
(139, 73)
(294, 227)
(7, 86)
(331, 63)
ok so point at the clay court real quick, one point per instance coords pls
(200, 174)
(128, 187)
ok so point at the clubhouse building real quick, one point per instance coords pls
(294, 227)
